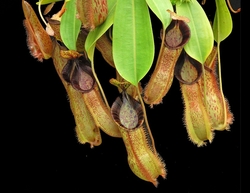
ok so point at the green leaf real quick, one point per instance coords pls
(94, 35)
(70, 25)
(133, 43)
(160, 8)
(44, 2)
(201, 40)
(222, 25)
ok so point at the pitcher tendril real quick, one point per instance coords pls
(122, 32)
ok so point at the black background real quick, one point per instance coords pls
(40, 151)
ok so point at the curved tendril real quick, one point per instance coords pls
(62, 10)
(231, 8)
(99, 84)
(229, 5)
(40, 12)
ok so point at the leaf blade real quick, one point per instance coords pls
(44, 2)
(133, 43)
(222, 25)
(94, 35)
(70, 25)
(201, 40)
(160, 8)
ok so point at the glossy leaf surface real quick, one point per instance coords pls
(160, 8)
(133, 43)
(222, 25)
(201, 41)
(128, 46)
(94, 35)
(44, 2)
(70, 26)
